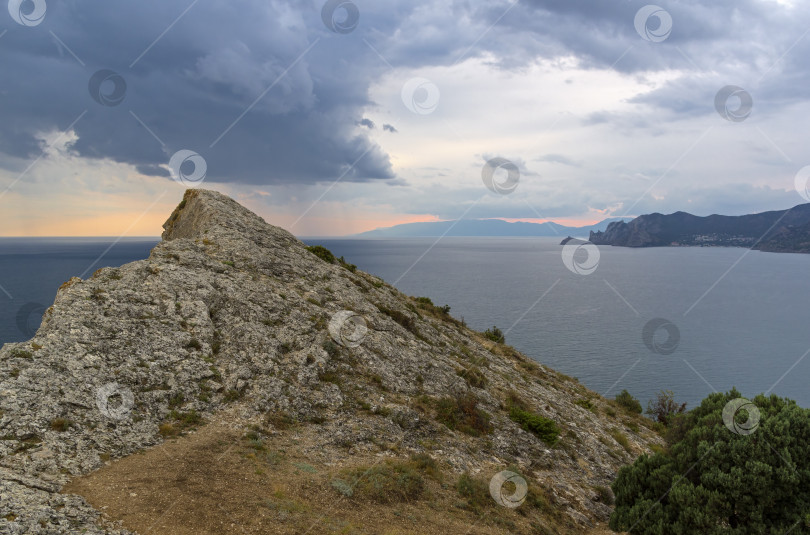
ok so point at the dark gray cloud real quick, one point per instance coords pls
(152, 170)
(724, 33)
(758, 45)
(238, 83)
(221, 60)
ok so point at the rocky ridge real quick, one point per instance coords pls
(230, 315)
(775, 231)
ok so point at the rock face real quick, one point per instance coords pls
(787, 239)
(782, 231)
(229, 313)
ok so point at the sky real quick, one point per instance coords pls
(331, 118)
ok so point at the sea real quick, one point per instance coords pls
(692, 320)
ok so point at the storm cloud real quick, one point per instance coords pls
(264, 91)
(291, 94)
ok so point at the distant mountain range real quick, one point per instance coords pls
(776, 231)
(485, 227)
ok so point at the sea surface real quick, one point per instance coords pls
(714, 317)
(741, 318)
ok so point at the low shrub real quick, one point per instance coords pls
(605, 494)
(389, 482)
(186, 419)
(328, 376)
(60, 424)
(254, 441)
(179, 422)
(280, 420)
(21, 354)
(343, 487)
(176, 400)
(475, 491)
(628, 402)
(427, 465)
(664, 407)
(331, 349)
(513, 399)
(495, 334)
(621, 438)
(350, 267)
(473, 376)
(323, 253)
(461, 413)
(400, 317)
(427, 304)
(545, 429)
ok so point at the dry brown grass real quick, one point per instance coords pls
(220, 480)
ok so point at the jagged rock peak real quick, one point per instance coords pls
(202, 212)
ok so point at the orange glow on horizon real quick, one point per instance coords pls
(105, 225)
(152, 224)
(103, 215)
